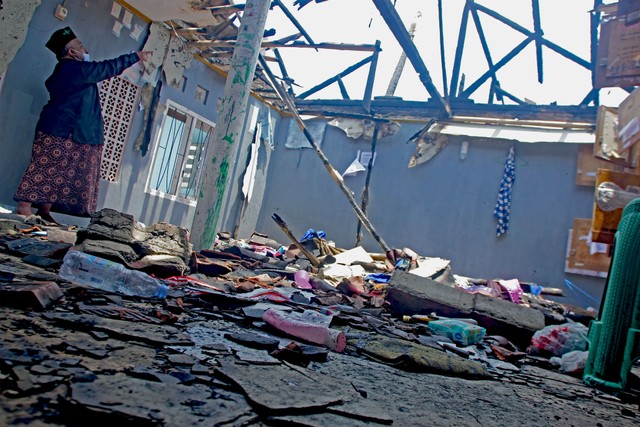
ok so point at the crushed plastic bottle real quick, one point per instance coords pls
(458, 331)
(90, 270)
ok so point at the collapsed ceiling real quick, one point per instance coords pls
(209, 27)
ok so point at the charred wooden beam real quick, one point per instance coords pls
(443, 61)
(395, 109)
(343, 89)
(455, 75)
(362, 217)
(294, 21)
(595, 23)
(535, 6)
(212, 44)
(505, 60)
(485, 49)
(504, 93)
(368, 90)
(571, 56)
(391, 17)
(335, 78)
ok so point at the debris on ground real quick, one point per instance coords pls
(254, 332)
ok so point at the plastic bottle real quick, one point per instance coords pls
(89, 270)
(419, 318)
(457, 331)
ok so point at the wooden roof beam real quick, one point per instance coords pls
(211, 44)
(391, 17)
(293, 20)
(571, 56)
(336, 78)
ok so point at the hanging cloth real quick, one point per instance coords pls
(503, 206)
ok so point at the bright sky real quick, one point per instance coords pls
(565, 23)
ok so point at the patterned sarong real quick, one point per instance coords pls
(63, 173)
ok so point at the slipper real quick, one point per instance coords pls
(47, 218)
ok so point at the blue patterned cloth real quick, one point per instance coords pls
(503, 206)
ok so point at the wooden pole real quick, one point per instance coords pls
(332, 172)
(229, 123)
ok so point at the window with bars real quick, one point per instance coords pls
(180, 152)
(118, 99)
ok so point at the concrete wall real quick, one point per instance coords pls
(23, 95)
(442, 208)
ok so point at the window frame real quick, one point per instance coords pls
(190, 126)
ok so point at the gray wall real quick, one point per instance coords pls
(23, 96)
(443, 208)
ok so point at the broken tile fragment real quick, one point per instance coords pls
(297, 391)
(252, 340)
(141, 402)
(181, 359)
(29, 295)
(158, 335)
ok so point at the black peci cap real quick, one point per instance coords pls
(59, 40)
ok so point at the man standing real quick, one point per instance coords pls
(64, 172)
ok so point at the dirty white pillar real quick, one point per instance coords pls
(228, 129)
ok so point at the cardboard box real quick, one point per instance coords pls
(583, 256)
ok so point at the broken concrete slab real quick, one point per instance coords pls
(29, 295)
(298, 389)
(417, 357)
(123, 398)
(410, 294)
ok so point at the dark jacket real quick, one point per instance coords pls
(74, 105)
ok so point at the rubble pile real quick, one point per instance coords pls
(254, 332)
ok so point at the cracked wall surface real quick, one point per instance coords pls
(15, 16)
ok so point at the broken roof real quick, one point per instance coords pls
(210, 26)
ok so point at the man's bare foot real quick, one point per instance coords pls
(24, 208)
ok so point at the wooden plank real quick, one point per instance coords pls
(580, 259)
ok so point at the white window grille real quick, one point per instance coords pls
(180, 153)
(118, 98)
